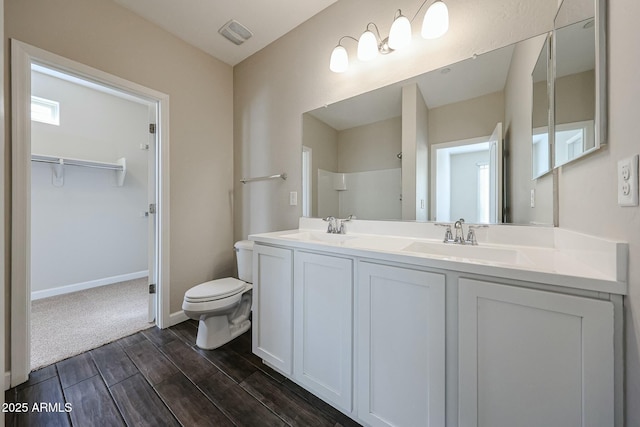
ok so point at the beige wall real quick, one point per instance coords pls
(422, 158)
(467, 119)
(540, 105)
(410, 94)
(323, 141)
(415, 157)
(370, 147)
(575, 97)
(275, 86)
(588, 197)
(102, 34)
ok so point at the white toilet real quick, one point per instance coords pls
(223, 305)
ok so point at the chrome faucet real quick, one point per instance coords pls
(448, 236)
(337, 226)
(343, 228)
(459, 233)
(331, 227)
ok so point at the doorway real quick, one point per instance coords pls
(465, 179)
(155, 213)
(92, 236)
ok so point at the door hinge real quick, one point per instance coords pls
(152, 288)
(152, 128)
(152, 208)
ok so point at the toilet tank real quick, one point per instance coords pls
(244, 258)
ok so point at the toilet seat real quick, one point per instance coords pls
(215, 290)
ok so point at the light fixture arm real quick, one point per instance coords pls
(383, 44)
(346, 37)
(377, 31)
(419, 9)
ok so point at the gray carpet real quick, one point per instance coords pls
(67, 325)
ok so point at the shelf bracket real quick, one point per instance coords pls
(120, 174)
(57, 173)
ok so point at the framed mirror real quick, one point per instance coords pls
(541, 113)
(579, 84)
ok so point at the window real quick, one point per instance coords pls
(45, 111)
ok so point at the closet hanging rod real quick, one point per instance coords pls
(75, 162)
(264, 178)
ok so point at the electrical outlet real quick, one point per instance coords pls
(628, 181)
(293, 198)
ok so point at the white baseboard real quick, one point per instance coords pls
(177, 317)
(87, 285)
(7, 380)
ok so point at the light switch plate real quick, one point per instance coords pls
(533, 198)
(293, 198)
(628, 181)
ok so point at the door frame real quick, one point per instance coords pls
(22, 56)
(433, 178)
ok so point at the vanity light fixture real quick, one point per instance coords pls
(434, 25)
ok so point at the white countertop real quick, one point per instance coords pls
(543, 255)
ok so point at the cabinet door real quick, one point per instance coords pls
(272, 306)
(323, 289)
(400, 346)
(532, 358)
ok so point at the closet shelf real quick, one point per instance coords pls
(58, 163)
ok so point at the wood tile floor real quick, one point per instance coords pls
(159, 378)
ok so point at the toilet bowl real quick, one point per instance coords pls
(222, 306)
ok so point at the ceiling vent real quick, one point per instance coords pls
(235, 32)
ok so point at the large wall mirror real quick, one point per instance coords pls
(579, 83)
(457, 142)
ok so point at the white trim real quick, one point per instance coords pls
(177, 317)
(3, 265)
(22, 56)
(20, 224)
(67, 289)
(7, 377)
(86, 83)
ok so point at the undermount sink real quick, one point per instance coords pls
(319, 237)
(483, 254)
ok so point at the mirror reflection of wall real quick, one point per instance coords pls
(575, 91)
(357, 171)
(540, 152)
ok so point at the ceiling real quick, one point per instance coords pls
(197, 21)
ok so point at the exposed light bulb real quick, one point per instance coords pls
(400, 34)
(367, 46)
(436, 21)
(339, 60)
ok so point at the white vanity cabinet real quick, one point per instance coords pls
(323, 326)
(400, 346)
(533, 358)
(273, 306)
(392, 336)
